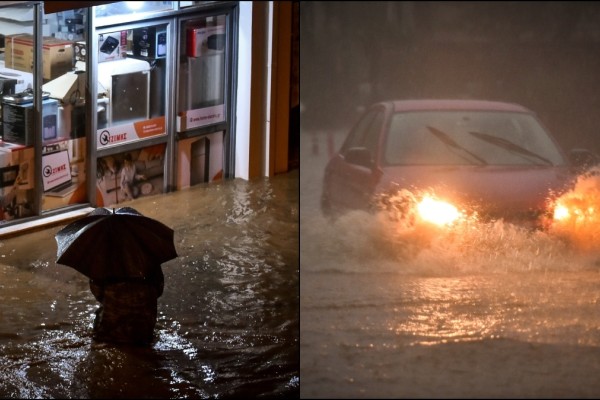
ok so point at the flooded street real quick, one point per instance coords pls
(228, 323)
(478, 310)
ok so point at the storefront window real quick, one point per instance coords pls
(131, 84)
(50, 137)
(63, 110)
(17, 163)
(184, 4)
(62, 132)
(127, 11)
(202, 73)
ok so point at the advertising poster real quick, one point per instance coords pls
(125, 133)
(127, 176)
(200, 160)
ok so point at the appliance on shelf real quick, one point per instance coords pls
(126, 85)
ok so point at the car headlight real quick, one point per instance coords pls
(437, 211)
(575, 212)
(561, 213)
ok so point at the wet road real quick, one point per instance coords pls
(482, 310)
(228, 323)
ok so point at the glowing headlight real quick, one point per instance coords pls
(579, 212)
(561, 213)
(437, 211)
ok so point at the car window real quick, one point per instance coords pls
(365, 132)
(469, 137)
(372, 135)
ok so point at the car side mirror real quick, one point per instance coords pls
(359, 156)
(582, 159)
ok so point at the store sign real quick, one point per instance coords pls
(200, 117)
(126, 133)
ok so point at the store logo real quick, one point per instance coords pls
(107, 138)
(48, 170)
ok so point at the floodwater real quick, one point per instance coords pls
(228, 323)
(478, 310)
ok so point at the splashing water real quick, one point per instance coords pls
(577, 213)
(398, 231)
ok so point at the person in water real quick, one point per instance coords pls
(128, 309)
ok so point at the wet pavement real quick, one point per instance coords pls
(228, 323)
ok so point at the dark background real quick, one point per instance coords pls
(543, 55)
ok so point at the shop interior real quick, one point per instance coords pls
(132, 69)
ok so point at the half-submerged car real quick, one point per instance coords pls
(491, 158)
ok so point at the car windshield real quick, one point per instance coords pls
(468, 138)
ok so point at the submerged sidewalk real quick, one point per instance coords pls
(42, 223)
(228, 322)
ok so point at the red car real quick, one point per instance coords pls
(491, 158)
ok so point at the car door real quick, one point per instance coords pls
(355, 174)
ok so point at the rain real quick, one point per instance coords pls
(475, 309)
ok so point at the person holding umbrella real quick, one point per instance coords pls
(121, 252)
(128, 309)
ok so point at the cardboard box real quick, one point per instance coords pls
(17, 122)
(57, 55)
(112, 46)
(203, 41)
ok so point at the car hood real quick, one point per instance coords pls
(490, 189)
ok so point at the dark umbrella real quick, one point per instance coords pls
(115, 244)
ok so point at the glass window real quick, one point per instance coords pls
(184, 4)
(17, 158)
(63, 109)
(131, 84)
(471, 138)
(202, 73)
(357, 137)
(62, 133)
(128, 11)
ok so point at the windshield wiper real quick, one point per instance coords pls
(508, 145)
(444, 137)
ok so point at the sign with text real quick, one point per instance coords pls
(126, 133)
(200, 117)
(56, 169)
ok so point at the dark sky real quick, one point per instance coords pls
(543, 55)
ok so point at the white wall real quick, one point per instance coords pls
(242, 112)
(266, 134)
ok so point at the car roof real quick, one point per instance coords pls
(455, 104)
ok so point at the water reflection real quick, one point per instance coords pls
(228, 321)
(450, 310)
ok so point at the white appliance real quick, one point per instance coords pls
(24, 79)
(126, 85)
